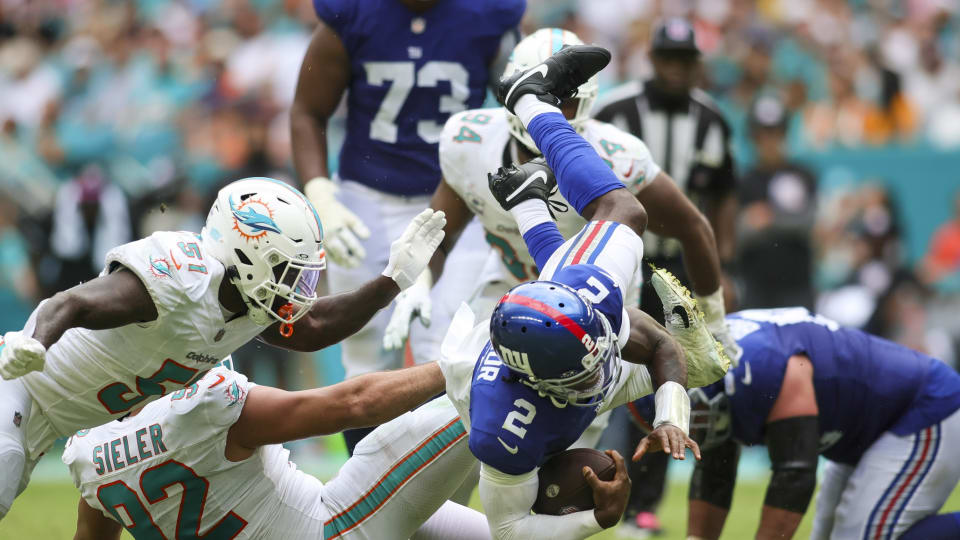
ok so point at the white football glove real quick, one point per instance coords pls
(410, 254)
(713, 315)
(342, 229)
(411, 303)
(19, 355)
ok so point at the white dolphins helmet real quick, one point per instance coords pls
(533, 50)
(269, 237)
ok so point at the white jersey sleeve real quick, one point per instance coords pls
(627, 155)
(171, 267)
(635, 382)
(459, 352)
(507, 500)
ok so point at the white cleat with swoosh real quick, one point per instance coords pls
(706, 361)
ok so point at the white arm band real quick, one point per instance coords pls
(673, 406)
(507, 500)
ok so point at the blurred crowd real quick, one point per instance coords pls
(118, 118)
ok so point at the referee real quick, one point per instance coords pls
(689, 138)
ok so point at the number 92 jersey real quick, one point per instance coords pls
(409, 72)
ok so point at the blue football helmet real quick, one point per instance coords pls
(557, 343)
(711, 422)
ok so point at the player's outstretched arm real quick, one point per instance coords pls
(508, 498)
(271, 415)
(93, 525)
(333, 318)
(670, 213)
(711, 491)
(109, 301)
(324, 75)
(415, 301)
(792, 438)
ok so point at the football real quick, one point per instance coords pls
(563, 489)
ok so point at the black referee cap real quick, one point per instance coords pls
(675, 35)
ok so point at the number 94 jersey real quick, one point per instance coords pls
(410, 71)
(93, 376)
(474, 143)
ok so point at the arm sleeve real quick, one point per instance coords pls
(635, 382)
(507, 500)
(159, 261)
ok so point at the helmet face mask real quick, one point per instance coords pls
(710, 418)
(269, 236)
(533, 50)
(569, 355)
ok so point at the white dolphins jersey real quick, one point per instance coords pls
(93, 376)
(475, 143)
(163, 474)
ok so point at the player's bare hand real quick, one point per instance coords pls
(20, 354)
(609, 498)
(670, 439)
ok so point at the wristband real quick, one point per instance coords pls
(673, 406)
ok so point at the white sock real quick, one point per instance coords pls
(528, 107)
(529, 214)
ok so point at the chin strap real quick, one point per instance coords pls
(286, 311)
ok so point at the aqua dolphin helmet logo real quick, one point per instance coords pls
(251, 223)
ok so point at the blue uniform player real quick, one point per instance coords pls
(883, 415)
(406, 66)
(530, 380)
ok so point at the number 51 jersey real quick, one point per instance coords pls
(409, 72)
(93, 376)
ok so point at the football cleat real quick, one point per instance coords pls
(706, 361)
(557, 78)
(534, 179)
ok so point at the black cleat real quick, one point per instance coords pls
(556, 78)
(531, 180)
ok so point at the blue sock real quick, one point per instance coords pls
(936, 527)
(542, 240)
(582, 175)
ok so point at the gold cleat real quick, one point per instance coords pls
(706, 360)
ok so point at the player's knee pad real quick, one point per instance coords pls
(11, 463)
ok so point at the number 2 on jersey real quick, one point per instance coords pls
(516, 420)
(155, 482)
(402, 77)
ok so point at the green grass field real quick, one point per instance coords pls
(47, 510)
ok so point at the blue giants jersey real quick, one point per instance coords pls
(864, 385)
(409, 73)
(512, 427)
